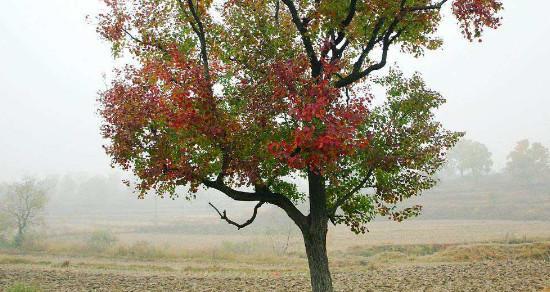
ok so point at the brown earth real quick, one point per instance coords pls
(517, 275)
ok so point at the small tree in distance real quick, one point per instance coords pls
(22, 205)
(470, 157)
(246, 97)
(528, 161)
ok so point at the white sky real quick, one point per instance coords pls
(51, 62)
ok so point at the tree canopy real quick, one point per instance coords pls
(244, 96)
(21, 206)
(470, 157)
(528, 161)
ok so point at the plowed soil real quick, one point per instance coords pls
(518, 275)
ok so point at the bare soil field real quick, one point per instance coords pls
(478, 276)
(414, 256)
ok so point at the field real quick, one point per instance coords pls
(414, 256)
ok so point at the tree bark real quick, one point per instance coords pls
(315, 235)
(316, 250)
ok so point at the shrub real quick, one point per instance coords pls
(141, 250)
(247, 247)
(100, 240)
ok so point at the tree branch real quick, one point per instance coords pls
(156, 45)
(235, 194)
(261, 195)
(335, 41)
(198, 28)
(277, 8)
(435, 6)
(349, 194)
(223, 216)
(387, 40)
(314, 62)
(140, 41)
(351, 13)
(370, 45)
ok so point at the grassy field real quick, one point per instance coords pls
(413, 256)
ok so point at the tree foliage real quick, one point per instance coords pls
(230, 101)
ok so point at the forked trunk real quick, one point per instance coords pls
(316, 250)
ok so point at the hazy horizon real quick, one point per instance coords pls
(53, 61)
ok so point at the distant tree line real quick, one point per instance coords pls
(527, 162)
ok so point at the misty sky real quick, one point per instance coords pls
(51, 65)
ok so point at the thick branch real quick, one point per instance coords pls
(235, 194)
(387, 40)
(351, 13)
(308, 45)
(346, 22)
(337, 54)
(261, 195)
(336, 40)
(198, 28)
(277, 7)
(370, 45)
(223, 216)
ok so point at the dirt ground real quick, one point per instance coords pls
(460, 256)
(480, 276)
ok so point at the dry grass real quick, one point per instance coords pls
(392, 257)
(481, 252)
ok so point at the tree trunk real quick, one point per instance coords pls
(18, 241)
(316, 250)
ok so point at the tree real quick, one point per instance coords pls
(470, 157)
(528, 161)
(4, 224)
(247, 97)
(22, 205)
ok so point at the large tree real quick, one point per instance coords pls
(248, 97)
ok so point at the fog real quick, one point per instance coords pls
(52, 63)
(488, 206)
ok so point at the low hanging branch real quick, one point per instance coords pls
(223, 216)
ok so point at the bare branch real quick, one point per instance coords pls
(261, 195)
(223, 216)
